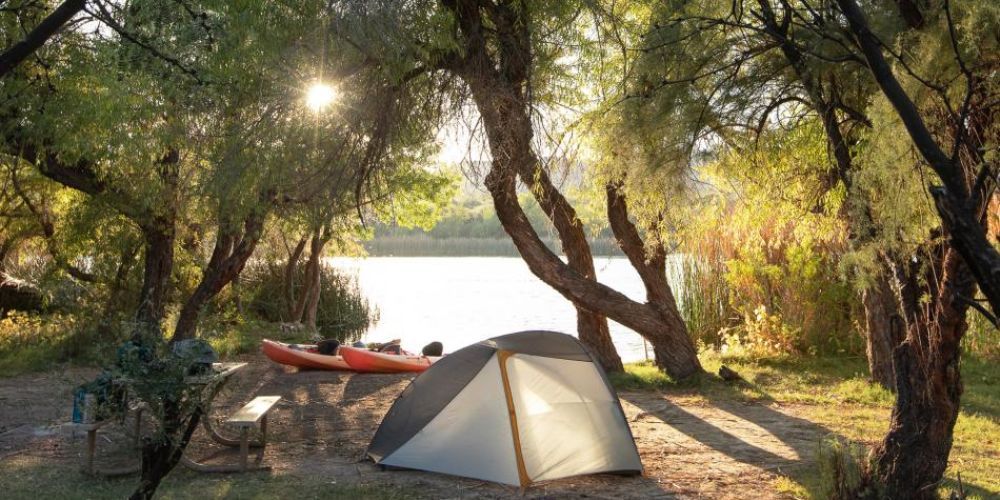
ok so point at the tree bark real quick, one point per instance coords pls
(651, 266)
(592, 327)
(290, 267)
(160, 456)
(231, 252)
(675, 356)
(911, 459)
(126, 260)
(310, 291)
(884, 330)
(315, 275)
(158, 244)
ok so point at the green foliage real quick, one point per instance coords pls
(466, 225)
(769, 238)
(983, 338)
(31, 342)
(343, 312)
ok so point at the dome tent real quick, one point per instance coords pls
(515, 409)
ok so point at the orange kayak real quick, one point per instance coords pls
(363, 360)
(301, 356)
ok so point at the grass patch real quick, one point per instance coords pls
(41, 480)
(836, 394)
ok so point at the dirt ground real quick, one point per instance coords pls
(690, 447)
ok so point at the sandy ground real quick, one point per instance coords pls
(690, 447)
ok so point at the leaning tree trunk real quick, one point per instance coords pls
(651, 266)
(592, 327)
(45, 30)
(675, 355)
(509, 136)
(499, 79)
(911, 459)
(229, 256)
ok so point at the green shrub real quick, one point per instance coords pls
(343, 311)
(771, 289)
(33, 342)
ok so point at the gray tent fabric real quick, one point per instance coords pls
(542, 343)
(426, 396)
(516, 409)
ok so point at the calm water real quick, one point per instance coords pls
(462, 300)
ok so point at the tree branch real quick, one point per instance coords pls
(38, 36)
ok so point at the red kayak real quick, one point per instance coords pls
(301, 356)
(363, 360)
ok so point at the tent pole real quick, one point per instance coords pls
(522, 472)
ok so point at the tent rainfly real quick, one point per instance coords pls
(516, 409)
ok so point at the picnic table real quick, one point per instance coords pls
(212, 384)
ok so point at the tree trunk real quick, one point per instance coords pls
(498, 79)
(911, 459)
(652, 268)
(229, 256)
(677, 358)
(312, 305)
(592, 327)
(315, 276)
(312, 277)
(159, 263)
(290, 268)
(160, 456)
(115, 293)
(884, 329)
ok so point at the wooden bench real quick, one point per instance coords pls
(251, 414)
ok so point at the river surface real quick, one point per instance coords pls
(461, 300)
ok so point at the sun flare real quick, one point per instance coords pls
(319, 96)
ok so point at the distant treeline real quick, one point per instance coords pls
(469, 227)
(425, 245)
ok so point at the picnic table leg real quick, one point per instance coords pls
(244, 448)
(138, 428)
(263, 439)
(223, 440)
(91, 449)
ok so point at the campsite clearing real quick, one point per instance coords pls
(712, 442)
